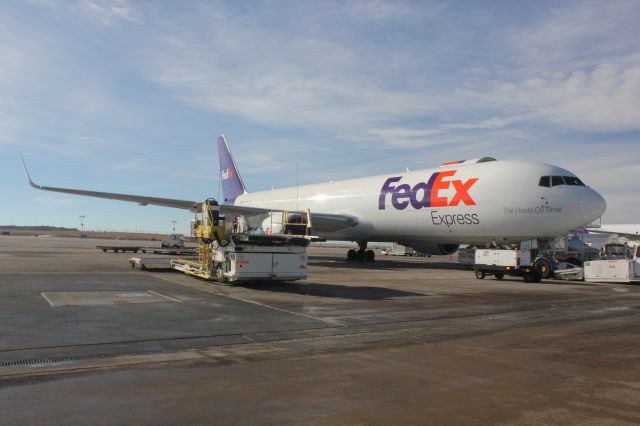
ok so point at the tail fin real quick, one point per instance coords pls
(232, 184)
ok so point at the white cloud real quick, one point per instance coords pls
(307, 80)
(576, 35)
(606, 98)
(385, 10)
(108, 12)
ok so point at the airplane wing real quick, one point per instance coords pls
(631, 232)
(142, 200)
(326, 222)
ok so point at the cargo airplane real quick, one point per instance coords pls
(432, 210)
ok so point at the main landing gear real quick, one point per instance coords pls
(362, 254)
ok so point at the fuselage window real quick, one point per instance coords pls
(557, 180)
(572, 180)
(545, 181)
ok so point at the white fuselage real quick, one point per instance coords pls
(460, 203)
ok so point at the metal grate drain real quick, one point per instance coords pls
(62, 360)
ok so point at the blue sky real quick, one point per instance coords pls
(129, 96)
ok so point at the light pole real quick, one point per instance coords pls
(82, 223)
(174, 226)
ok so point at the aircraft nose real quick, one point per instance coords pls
(592, 205)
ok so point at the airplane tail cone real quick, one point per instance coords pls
(232, 184)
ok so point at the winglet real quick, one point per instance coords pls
(27, 172)
(232, 184)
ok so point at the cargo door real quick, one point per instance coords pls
(252, 265)
(290, 265)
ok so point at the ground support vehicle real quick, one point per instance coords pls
(399, 250)
(123, 249)
(174, 241)
(154, 250)
(146, 262)
(252, 257)
(226, 255)
(621, 264)
(499, 262)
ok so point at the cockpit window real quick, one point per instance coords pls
(545, 181)
(548, 181)
(571, 180)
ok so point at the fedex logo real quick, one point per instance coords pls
(227, 173)
(427, 194)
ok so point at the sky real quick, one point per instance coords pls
(130, 96)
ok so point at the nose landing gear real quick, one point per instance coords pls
(362, 254)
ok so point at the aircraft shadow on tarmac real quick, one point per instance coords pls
(382, 264)
(330, 290)
(317, 289)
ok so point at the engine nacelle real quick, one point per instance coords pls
(434, 249)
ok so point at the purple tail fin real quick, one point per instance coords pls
(232, 185)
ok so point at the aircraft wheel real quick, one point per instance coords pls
(480, 274)
(542, 267)
(360, 255)
(370, 256)
(499, 276)
(351, 254)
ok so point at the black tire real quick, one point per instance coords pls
(529, 277)
(499, 276)
(220, 275)
(542, 267)
(370, 256)
(104, 250)
(360, 256)
(536, 278)
(351, 254)
(480, 274)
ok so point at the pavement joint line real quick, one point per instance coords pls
(329, 322)
(166, 297)
(46, 298)
(70, 363)
(134, 358)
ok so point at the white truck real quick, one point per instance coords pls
(174, 241)
(620, 264)
(398, 250)
(517, 262)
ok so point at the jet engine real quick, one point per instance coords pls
(434, 249)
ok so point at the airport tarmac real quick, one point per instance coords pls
(85, 339)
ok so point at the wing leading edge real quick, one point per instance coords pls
(142, 200)
(326, 222)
